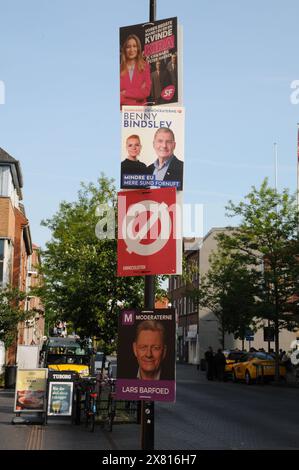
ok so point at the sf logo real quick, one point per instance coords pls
(168, 92)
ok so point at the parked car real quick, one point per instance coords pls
(232, 356)
(256, 366)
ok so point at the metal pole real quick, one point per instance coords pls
(152, 10)
(298, 168)
(147, 407)
(275, 157)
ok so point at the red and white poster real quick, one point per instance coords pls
(149, 238)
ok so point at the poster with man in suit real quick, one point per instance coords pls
(146, 355)
(152, 147)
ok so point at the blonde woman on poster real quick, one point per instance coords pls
(131, 165)
(135, 78)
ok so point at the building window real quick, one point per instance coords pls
(5, 181)
(1, 261)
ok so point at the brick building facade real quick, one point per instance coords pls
(17, 254)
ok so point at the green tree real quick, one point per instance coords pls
(80, 282)
(228, 290)
(11, 313)
(267, 239)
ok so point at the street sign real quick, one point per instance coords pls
(149, 241)
(249, 335)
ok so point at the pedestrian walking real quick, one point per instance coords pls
(220, 363)
(209, 357)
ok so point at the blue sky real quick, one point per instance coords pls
(59, 63)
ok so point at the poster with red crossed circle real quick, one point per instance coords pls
(149, 239)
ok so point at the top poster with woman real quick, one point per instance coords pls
(149, 64)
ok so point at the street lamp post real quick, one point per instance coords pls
(147, 407)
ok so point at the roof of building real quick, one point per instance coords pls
(27, 239)
(192, 243)
(6, 159)
(214, 230)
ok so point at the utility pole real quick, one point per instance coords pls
(148, 407)
(298, 168)
(275, 164)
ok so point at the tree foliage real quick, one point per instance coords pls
(228, 290)
(267, 242)
(267, 238)
(80, 282)
(255, 273)
(11, 313)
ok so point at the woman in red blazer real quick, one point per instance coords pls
(135, 78)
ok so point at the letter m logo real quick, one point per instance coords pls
(128, 317)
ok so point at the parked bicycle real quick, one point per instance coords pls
(90, 402)
(111, 403)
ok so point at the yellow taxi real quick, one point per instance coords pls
(256, 366)
(81, 369)
(232, 356)
(67, 354)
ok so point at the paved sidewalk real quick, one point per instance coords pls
(60, 434)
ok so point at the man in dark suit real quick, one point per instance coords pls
(167, 167)
(156, 78)
(172, 72)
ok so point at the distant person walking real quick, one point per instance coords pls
(220, 363)
(209, 357)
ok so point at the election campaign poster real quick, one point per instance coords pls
(149, 63)
(31, 390)
(149, 232)
(152, 147)
(146, 355)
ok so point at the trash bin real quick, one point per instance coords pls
(10, 376)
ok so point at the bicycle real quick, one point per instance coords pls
(90, 402)
(111, 405)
